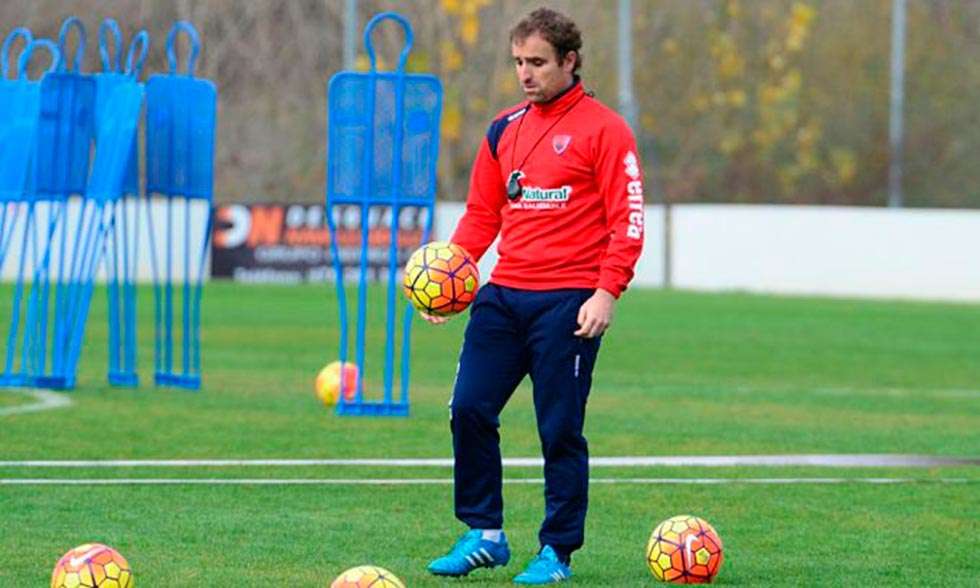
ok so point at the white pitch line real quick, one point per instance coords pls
(831, 460)
(448, 481)
(46, 400)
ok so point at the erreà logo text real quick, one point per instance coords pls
(535, 194)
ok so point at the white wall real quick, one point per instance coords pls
(873, 252)
(840, 251)
(905, 253)
(15, 221)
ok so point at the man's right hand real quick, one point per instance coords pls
(434, 320)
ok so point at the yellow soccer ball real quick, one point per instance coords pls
(365, 576)
(327, 384)
(441, 279)
(92, 565)
(684, 550)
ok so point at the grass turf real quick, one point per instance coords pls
(680, 373)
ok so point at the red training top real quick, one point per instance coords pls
(578, 221)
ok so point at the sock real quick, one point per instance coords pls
(564, 555)
(492, 534)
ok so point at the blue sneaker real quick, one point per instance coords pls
(544, 569)
(470, 552)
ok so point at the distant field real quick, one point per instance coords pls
(679, 374)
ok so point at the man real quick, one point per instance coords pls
(558, 178)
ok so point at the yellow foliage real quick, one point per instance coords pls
(844, 162)
(730, 142)
(479, 103)
(730, 65)
(805, 161)
(418, 61)
(721, 44)
(648, 122)
(734, 9)
(452, 58)
(768, 94)
(808, 135)
(792, 81)
(452, 121)
(799, 26)
(670, 46)
(737, 98)
(803, 14)
(470, 29)
(363, 63)
(788, 176)
(469, 13)
(458, 7)
(505, 82)
(786, 88)
(794, 40)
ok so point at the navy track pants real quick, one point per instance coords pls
(513, 333)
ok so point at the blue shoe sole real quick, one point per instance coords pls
(462, 574)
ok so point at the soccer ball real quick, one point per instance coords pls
(441, 279)
(92, 565)
(364, 576)
(327, 383)
(684, 550)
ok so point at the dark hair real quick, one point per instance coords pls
(555, 28)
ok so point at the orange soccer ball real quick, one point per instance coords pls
(367, 576)
(92, 565)
(684, 550)
(441, 279)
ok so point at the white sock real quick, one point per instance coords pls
(492, 534)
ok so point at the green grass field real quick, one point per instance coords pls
(679, 374)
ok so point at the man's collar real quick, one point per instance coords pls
(563, 99)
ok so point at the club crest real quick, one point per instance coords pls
(560, 143)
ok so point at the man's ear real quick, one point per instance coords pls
(568, 62)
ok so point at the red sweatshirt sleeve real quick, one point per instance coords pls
(620, 181)
(481, 221)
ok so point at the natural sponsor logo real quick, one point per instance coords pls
(536, 194)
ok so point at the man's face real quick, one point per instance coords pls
(540, 74)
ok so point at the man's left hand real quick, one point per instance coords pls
(595, 314)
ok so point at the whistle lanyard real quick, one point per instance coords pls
(514, 187)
